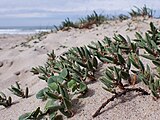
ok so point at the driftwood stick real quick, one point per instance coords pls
(119, 94)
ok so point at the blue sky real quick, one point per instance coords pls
(50, 12)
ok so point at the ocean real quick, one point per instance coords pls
(25, 29)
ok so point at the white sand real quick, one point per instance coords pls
(18, 55)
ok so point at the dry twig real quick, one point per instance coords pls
(119, 94)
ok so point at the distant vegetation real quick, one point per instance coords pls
(97, 19)
(86, 22)
(144, 12)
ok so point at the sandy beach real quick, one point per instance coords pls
(18, 54)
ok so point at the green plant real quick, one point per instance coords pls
(6, 102)
(35, 115)
(86, 60)
(122, 17)
(144, 11)
(57, 93)
(18, 91)
(150, 44)
(83, 23)
(115, 76)
(66, 74)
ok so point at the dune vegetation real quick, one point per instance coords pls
(66, 74)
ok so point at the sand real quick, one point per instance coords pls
(18, 55)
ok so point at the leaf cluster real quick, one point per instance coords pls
(66, 74)
(16, 90)
(6, 102)
(144, 11)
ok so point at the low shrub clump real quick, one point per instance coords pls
(66, 74)
(143, 12)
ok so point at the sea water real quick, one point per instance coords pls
(25, 29)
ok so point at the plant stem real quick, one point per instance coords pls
(119, 94)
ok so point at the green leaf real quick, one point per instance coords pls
(72, 70)
(35, 113)
(124, 75)
(43, 77)
(122, 38)
(35, 71)
(52, 79)
(24, 116)
(80, 52)
(4, 104)
(141, 77)
(64, 73)
(151, 85)
(138, 35)
(81, 63)
(133, 61)
(150, 51)
(109, 89)
(76, 78)
(141, 44)
(71, 83)
(92, 47)
(107, 82)
(151, 57)
(157, 84)
(18, 85)
(56, 79)
(89, 65)
(61, 90)
(41, 94)
(107, 59)
(100, 46)
(65, 96)
(52, 115)
(53, 86)
(148, 38)
(128, 63)
(17, 91)
(109, 74)
(52, 95)
(83, 87)
(121, 59)
(95, 62)
(141, 65)
(67, 104)
(2, 95)
(66, 113)
(153, 28)
(116, 73)
(52, 105)
(124, 47)
(154, 46)
(148, 69)
(87, 53)
(156, 62)
(107, 41)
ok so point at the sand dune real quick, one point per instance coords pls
(18, 55)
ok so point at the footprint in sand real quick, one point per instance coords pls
(6, 63)
(17, 73)
(1, 64)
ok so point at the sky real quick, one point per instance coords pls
(50, 12)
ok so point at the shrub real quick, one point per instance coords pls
(144, 11)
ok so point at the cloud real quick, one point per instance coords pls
(66, 8)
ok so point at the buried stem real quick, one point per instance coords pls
(119, 94)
